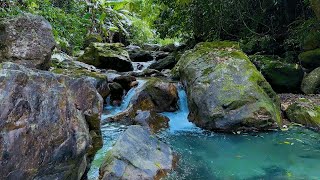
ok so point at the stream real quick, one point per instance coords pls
(292, 154)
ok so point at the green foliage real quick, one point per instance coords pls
(207, 20)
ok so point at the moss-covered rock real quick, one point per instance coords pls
(315, 5)
(92, 38)
(225, 90)
(282, 76)
(312, 40)
(311, 82)
(306, 112)
(310, 59)
(107, 56)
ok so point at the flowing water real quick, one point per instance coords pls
(292, 154)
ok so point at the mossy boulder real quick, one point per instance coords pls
(312, 40)
(315, 5)
(305, 112)
(282, 76)
(92, 38)
(311, 82)
(310, 59)
(225, 90)
(107, 56)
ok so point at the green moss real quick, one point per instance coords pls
(304, 112)
(310, 59)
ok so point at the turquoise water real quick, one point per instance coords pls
(292, 154)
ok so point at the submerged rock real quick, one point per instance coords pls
(26, 39)
(311, 82)
(137, 155)
(310, 59)
(282, 76)
(225, 90)
(49, 124)
(306, 112)
(107, 56)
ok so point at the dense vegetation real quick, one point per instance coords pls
(267, 26)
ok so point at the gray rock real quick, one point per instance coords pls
(152, 120)
(49, 124)
(137, 155)
(167, 63)
(28, 40)
(225, 90)
(107, 56)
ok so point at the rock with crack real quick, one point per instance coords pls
(137, 155)
(49, 124)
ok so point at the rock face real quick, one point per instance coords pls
(156, 95)
(306, 112)
(152, 120)
(27, 40)
(311, 82)
(140, 56)
(66, 65)
(137, 155)
(166, 63)
(107, 56)
(310, 59)
(282, 76)
(225, 90)
(49, 124)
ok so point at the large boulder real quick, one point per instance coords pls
(26, 39)
(49, 124)
(311, 82)
(137, 155)
(107, 56)
(166, 63)
(282, 76)
(306, 112)
(310, 59)
(225, 90)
